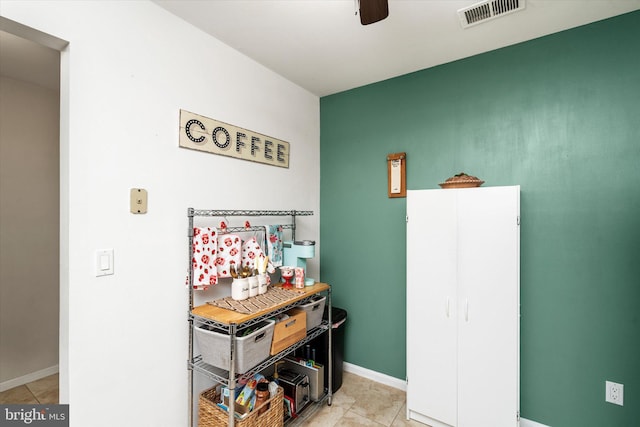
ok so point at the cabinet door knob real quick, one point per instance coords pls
(466, 310)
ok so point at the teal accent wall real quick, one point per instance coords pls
(560, 116)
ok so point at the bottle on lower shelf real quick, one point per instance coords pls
(262, 395)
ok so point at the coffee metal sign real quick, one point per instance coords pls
(205, 134)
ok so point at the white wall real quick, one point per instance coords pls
(129, 68)
(29, 206)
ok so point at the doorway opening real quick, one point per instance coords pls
(33, 222)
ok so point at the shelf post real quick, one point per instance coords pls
(293, 225)
(190, 322)
(330, 355)
(232, 373)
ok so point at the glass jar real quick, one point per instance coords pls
(262, 395)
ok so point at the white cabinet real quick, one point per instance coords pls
(463, 307)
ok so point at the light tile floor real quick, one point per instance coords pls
(359, 402)
(362, 402)
(43, 391)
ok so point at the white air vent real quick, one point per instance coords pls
(487, 10)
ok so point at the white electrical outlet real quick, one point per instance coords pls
(614, 393)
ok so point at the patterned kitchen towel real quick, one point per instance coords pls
(274, 244)
(229, 253)
(205, 243)
(254, 257)
(250, 251)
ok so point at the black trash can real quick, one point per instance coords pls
(318, 348)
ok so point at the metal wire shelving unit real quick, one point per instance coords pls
(229, 377)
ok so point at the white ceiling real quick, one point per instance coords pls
(321, 45)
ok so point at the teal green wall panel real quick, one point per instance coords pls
(560, 116)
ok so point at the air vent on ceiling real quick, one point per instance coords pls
(488, 9)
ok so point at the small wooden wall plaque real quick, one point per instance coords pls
(397, 175)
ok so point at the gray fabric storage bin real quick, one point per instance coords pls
(251, 349)
(314, 310)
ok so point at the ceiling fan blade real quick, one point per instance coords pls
(373, 11)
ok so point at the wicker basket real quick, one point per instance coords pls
(210, 415)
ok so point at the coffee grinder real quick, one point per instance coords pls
(296, 253)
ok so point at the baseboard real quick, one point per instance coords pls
(33, 376)
(528, 423)
(375, 376)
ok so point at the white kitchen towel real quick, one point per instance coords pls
(229, 254)
(205, 242)
(274, 244)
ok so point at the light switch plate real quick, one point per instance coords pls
(104, 262)
(138, 201)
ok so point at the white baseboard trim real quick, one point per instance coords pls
(528, 423)
(375, 376)
(33, 376)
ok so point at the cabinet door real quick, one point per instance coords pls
(431, 305)
(488, 306)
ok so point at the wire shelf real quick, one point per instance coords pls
(199, 320)
(223, 213)
(222, 376)
(226, 377)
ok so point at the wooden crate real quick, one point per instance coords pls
(289, 331)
